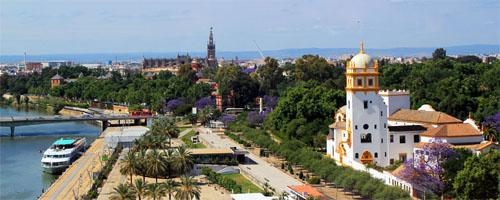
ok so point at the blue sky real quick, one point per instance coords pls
(78, 26)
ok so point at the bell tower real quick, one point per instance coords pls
(212, 60)
(366, 112)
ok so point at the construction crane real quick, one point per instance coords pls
(260, 50)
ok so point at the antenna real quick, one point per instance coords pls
(260, 50)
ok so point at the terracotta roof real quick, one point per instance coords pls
(301, 189)
(337, 125)
(479, 146)
(422, 116)
(452, 130)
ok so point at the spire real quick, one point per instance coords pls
(211, 39)
(362, 51)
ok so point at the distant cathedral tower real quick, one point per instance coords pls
(212, 60)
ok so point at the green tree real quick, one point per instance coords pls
(139, 188)
(123, 192)
(311, 67)
(188, 189)
(129, 164)
(439, 53)
(155, 191)
(170, 187)
(187, 72)
(183, 162)
(479, 177)
(155, 164)
(271, 75)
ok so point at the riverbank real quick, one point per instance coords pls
(78, 178)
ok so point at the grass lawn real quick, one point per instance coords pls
(244, 182)
(187, 140)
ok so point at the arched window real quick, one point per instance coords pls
(376, 155)
(356, 155)
(366, 138)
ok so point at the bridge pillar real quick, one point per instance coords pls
(12, 127)
(137, 122)
(149, 122)
(104, 125)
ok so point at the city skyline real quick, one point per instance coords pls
(157, 26)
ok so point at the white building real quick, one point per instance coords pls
(378, 127)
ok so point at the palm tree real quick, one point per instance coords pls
(123, 191)
(129, 164)
(166, 127)
(155, 191)
(169, 158)
(490, 132)
(170, 187)
(142, 164)
(155, 164)
(188, 189)
(139, 188)
(183, 161)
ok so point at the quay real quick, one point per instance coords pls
(78, 178)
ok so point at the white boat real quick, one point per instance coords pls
(61, 154)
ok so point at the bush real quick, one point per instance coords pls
(183, 109)
(314, 180)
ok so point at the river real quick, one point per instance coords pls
(21, 176)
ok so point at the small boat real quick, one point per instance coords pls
(61, 154)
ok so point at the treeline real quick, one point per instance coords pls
(298, 153)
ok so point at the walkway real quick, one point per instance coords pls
(259, 169)
(114, 178)
(77, 179)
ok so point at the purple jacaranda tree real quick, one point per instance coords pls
(255, 118)
(175, 103)
(226, 119)
(425, 169)
(270, 102)
(491, 126)
(248, 70)
(203, 102)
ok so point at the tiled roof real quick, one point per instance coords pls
(452, 130)
(337, 125)
(422, 116)
(301, 189)
(342, 109)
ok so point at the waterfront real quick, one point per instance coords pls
(21, 176)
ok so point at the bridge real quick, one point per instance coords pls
(12, 122)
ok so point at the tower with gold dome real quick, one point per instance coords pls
(362, 138)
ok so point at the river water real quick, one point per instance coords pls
(21, 176)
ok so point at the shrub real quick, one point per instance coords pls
(314, 180)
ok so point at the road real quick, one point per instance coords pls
(259, 169)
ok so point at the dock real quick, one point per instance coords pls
(78, 178)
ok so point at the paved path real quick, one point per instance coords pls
(260, 169)
(114, 178)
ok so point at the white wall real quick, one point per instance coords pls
(395, 148)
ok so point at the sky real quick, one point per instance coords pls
(122, 26)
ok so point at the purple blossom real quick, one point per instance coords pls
(493, 120)
(425, 169)
(175, 103)
(203, 102)
(248, 70)
(270, 101)
(255, 118)
(226, 119)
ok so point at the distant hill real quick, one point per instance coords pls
(246, 55)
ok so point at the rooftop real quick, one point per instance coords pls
(57, 77)
(64, 142)
(307, 190)
(422, 116)
(452, 130)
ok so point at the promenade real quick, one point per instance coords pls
(77, 179)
